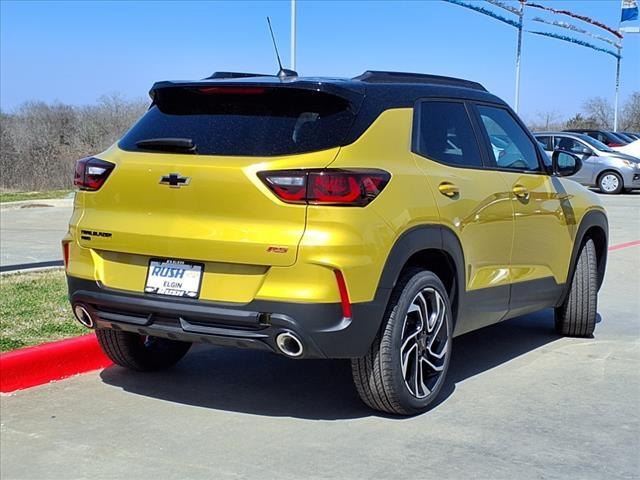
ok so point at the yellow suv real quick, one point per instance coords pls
(372, 218)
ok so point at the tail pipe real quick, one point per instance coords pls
(289, 344)
(82, 314)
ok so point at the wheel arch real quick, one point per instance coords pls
(433, 247)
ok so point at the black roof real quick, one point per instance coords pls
(371, 93)
(373, 76)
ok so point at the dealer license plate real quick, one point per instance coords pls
(174, 277)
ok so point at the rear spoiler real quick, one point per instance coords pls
(353, 94)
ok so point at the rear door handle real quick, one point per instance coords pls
(520, 191)
(448, 189)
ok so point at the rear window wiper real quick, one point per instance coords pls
(182, 145)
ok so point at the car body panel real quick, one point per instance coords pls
(264, 258)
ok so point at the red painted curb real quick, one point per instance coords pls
(31, 366)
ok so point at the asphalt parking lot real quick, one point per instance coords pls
(520, 402)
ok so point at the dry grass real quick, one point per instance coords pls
(6, 196)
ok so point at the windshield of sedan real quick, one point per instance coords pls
(597, 144)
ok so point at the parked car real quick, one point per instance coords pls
(633, 135)
(609, 170)
(632, 149)
(370, 218)
(610, 139)
(625, 137)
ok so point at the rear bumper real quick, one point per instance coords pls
(321, 327)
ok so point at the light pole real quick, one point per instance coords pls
(518, 54)
(627, 29)
(615, 107)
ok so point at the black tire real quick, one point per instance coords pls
(606, 182)
(576, 317)
(379, 376)
(139, 352)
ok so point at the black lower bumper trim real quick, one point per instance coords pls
(320, 327)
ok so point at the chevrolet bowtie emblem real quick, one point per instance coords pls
(174, 180)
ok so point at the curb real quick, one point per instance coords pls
(31, 267)
(31, 366)
(43, 203)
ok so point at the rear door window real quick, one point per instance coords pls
(244, 121)
(445, 134)
(600, 137)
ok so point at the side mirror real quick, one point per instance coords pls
(587, 152)
(565, 164)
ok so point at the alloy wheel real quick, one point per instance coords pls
(425, 342)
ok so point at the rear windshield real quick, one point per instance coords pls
(247, 121)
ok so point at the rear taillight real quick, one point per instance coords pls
(91, 173)
(326, 187)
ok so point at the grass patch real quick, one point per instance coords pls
(34, 309)
(19, 196)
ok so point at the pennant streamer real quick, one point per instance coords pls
(504, 6)
(575, 15)
(577, 29)
(576, 41)
(485, 12)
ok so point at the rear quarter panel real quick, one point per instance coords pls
(358, 240)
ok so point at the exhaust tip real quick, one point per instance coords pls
(289, 344)
(83, 316)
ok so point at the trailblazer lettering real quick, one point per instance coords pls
(96, 233)
(167, 272)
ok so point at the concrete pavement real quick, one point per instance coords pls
(520, 402)
(32, 231)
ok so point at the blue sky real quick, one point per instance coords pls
(76, 51)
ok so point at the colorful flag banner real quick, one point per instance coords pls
(504, 6)
(575, 28)
(485, 12)
(629, 10)
(576, 41)
(596, 23)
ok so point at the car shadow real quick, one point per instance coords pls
(262, 383)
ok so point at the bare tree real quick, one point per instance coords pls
(40, 142)
(547, 120)
(630, 119)
(601, 111)
(580, 121)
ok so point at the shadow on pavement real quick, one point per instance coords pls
(262, 383)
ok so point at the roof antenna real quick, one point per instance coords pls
(283, 73)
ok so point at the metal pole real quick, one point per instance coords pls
(615, 108)
(518, 55)
(293, 35)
